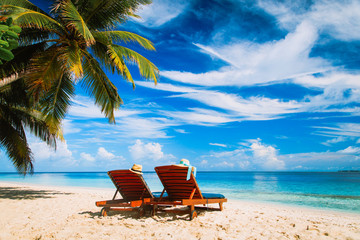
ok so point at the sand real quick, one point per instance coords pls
(48, 212)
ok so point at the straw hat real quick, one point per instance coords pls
(136, 168)
(184, 163)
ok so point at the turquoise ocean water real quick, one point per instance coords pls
(330, 190)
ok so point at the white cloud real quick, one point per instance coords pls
(336, 18)
(204, 162)
(232, 107)
(266, 156)
(102, 158)
(341, 129)
(84, 107)
(335, 140)
(142, 127)
(350, 150)
(253, 108)
(255, 155)
(330, 80)
(45, 155)
(151, 150)
(331, 161)
(218, 144)
(69, 127)
(160, 12)
(104, 154)
(180, 131)
(199, 116)
(237, 107)
(224, 164)
(253, 63)
(87, 157)
(42, 151)
(239, 158)
(252, 156)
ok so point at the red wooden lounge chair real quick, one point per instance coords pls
(182, 192)
(133, 189)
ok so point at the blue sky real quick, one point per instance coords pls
(245, 85)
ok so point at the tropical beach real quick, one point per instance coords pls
(49, 212)
(173, 119)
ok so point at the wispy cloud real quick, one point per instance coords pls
(129, 123)
(254, 155)
(336, 18)
(330, 161)
(340, 130)
(226, 107)
(160, 12)
(218, 144)
(335, 140)
(254, 63)
(84, 107)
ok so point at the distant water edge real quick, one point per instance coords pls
(329, 190)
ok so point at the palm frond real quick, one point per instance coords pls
(43, 70)
(122, 36)
(20, 111)
(98, 85)
(21, 60)
(72, 56)
(30, 36)
(107, 14)
(73, 19)
(27, 18)
(22, 3)
(56, 101)
(146, 68)
(16, 147)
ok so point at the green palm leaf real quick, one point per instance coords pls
(56, 101)
(122, 36)
(16, 115)
(71, 45)
(32, 19)
(99, 85)
(16, 148)
(73, 19)
(22, 3)
(107, 14)
(44, 70)
(146, 68)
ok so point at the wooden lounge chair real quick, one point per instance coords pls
(133, 189)
(181, 191)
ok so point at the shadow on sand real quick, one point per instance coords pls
(160, 216)
(29, 194)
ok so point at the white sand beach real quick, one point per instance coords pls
(48, 212)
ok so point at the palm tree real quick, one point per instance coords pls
(74, 44)
(16, 114)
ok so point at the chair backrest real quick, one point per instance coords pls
(174, 181)
(130, 185)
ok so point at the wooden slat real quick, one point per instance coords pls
(130, 185)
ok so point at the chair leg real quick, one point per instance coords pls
(104, 211)
(221, 206)
(153, 210)
(193, 213)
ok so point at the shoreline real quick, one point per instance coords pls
(112, 190)
(50, 212)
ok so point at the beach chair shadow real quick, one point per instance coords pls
(133, 190)
(27, 193)
(182, 192)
